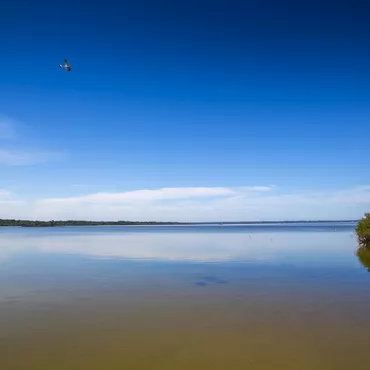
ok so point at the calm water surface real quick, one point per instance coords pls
(184, 297)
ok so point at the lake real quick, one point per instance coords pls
(286, 296)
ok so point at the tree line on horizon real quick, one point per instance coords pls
(36, 223)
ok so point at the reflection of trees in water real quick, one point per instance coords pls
(363, 255)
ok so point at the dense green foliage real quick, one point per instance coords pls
(27, 223)
(363, 230)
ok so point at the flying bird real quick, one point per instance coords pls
(66, 66)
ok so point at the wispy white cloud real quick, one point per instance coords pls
(5, 194)
(79, 185)
(130, 197)
(198, 204)
(15, 149)
(24, 157)
(7, 128)
(9, 204)
(257, 188)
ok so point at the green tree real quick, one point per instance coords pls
(363, 230)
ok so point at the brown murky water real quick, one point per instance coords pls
(183, 298)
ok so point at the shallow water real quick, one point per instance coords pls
(183, 297)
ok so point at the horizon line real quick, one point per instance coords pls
(175, 222)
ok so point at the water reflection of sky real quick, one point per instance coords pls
(328, 244)
(93, 294)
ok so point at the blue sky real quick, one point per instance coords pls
(195, 110)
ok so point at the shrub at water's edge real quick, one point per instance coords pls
(363, 230)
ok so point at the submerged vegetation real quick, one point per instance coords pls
(363, 231)
(363, 255)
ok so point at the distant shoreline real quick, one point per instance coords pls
(52, 223)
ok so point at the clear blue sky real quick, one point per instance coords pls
(184, 94)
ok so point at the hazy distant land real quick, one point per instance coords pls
(52, 223)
